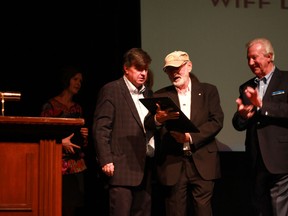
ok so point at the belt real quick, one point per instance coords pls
(187, 153)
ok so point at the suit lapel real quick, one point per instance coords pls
(196, 100)
(273, 84)
(128, 99)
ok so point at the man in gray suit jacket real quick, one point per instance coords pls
(263, 113)
(187, 162)
(121, 141)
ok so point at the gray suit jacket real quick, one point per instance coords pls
(118, 134)
(269, 125)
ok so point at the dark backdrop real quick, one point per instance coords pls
(41, 38)
(38, 39)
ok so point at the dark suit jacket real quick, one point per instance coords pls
(269, 125)
(118, 134)
(207, 115)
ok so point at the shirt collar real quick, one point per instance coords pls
(132, 89)
(266, 78)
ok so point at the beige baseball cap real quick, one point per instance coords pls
(176, 59)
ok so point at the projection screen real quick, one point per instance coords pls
(214, 33)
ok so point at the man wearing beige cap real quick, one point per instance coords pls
(187, 162)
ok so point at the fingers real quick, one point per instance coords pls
(173, 115)
(84, 131)
(68, 148)
(158, 107)
(250, 114)
(70, 136)
(108, 169)
(67, 139)
(238, 101)
(74, 146)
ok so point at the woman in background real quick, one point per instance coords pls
(73, 163)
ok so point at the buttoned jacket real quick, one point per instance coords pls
(269, 126)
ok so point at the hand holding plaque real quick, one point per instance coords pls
(182, 124)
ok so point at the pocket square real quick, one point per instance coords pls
(278, 92)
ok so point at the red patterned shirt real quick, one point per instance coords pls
(71, 163)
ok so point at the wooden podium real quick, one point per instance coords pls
(30, 164)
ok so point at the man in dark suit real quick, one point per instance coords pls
(187, 162)
(263, 113)
(123, 148)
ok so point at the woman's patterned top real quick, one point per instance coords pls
(71, 163)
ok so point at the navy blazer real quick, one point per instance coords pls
(118, 134)
(207, 115)
(269, 125)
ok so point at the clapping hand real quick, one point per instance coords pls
(245, 111)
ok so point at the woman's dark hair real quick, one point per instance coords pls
(67, 73)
